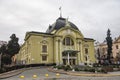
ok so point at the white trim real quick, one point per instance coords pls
(44, 53)
(44, 61)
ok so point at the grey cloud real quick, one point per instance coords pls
(93, 17)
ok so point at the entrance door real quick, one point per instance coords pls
(64, 61)
(72, 62)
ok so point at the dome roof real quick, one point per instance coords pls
(60, 22)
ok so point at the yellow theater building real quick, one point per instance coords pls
(62, 43)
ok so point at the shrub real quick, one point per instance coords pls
(76, 69)
(81, 69)
(1, 71)
(92, 70)
(54, 66)
(67, 67)
(104, 70)
(59, 67)
(95, 65)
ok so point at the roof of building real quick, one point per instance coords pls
(88, 39)
(60, 22)
(117, 40)
(39, 33)
(36, 33)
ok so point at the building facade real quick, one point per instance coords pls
(103, 49)
(62, 43)
(116, 47)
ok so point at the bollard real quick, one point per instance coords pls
(34, 76)
(57, 75)
(22, 77)
(46, 75)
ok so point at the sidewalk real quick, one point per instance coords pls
(15, 72)
(74, 73)
(11, 73)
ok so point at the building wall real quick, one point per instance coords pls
(115, 48)
(31, 50)
(73, 34)
(91, 51)
(78, 38)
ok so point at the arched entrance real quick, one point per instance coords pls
(69, 57)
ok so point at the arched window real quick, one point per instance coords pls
(68, 41)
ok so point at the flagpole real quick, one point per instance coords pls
(60, 11)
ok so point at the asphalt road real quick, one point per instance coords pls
(40, 72)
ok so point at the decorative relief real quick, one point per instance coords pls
(86, 45)
(63, 32)
(44, 38)
(68, 48)
(44, 42)
(68, 31)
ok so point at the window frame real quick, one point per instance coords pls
(86, 51)
(44, 48)
(117, 47)
(44, 58)
(68, 41)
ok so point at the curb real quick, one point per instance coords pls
(94, 75)
(12, 73)
(15, 72)
(83, 74)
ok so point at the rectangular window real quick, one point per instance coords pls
(67, 41)
(103, 49)
(117, 47)
(44, 48)
(44, 58)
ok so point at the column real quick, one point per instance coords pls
(68, 58)
(81, 53)
(60, 52)
(56, 47)
(79, 56)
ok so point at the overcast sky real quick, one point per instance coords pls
(92, 17)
